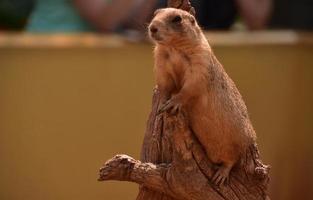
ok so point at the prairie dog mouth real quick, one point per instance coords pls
(156, 37)
(155, 32)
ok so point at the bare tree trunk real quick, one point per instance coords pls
(174, 166)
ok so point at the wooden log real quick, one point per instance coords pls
(174, 165)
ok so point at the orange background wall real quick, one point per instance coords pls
(64, 111)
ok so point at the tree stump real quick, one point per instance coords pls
(174, 165)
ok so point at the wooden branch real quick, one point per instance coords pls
(181, 169)
(125, 168)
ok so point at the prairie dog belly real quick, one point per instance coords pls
(170, 67)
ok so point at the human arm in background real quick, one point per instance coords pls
(255, 13)
(142, 15)
(106, 15)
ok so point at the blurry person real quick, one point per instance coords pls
(256, 14)
(277, 14)
(88, 15)
(215, 14)
(292, 14)
(56, 16)
(211, 14)
(14, 13)
(110, 15)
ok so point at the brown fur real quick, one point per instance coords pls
(190, 77)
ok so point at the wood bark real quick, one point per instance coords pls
(174, 165)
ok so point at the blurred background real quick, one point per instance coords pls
(76, 82)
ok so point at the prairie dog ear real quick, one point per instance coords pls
(192, 19)
(157, 12)
(192, 11)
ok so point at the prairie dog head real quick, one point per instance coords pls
(173, 26)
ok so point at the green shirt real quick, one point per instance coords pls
(56, 16)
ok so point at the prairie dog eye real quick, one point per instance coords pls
(177, 19)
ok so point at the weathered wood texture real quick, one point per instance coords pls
(181, 4)
(174, 165)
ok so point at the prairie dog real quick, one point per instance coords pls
(190, 77)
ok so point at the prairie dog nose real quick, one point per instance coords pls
(153, 29)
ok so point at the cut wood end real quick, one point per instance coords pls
(117, 168)
(181, 4)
